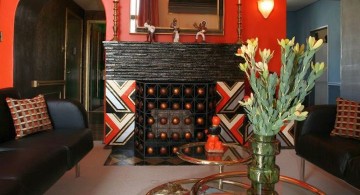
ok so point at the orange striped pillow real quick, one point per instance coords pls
(347, 122)
(29, 115)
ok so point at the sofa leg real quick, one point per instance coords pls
(77, 170)
(302, 169)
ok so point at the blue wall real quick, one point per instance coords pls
(320, 14)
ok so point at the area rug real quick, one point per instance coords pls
(121, 155)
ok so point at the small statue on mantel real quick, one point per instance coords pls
(202, 29)
(175, 27)
(151, 31)
(213, 143)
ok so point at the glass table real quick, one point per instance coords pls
(233, 154)
(233, 183)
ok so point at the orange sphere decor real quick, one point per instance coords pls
(150, 135)
(150, 105)
(150, 121)
(200, 121)
(188, 91)
(175, 150)
(150, 150)
(163, 105)
(187, 150)
(175, 120)
(200, 106)
(201, 91)
(175, 136)
(176, 91)
(163, 91)
(187, 121)
(163, 135)
(199, 149)
(163, 150)
(176, 106)
(188, 106)
(163, 120)
(188, 136)
(200, 135)
(151, 91)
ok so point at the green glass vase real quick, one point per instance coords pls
(262, 171)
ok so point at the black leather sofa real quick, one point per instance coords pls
(337, 155)
(30, 165)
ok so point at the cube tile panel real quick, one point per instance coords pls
(168, 100)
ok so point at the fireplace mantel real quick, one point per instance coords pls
(131, 63)
(172, 61)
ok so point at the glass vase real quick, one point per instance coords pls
(262, 171)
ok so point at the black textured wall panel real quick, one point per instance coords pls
(172, 62)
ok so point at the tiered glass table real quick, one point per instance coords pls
(233, 154)
(235, 182)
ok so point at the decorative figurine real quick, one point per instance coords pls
(175, 27)
(213, 144)
(201, 30)
(151, 31)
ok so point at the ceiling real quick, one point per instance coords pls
(293, 5)
(96, 5)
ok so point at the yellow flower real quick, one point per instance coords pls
(313, 44)
(318, 67)
(261, 66)
(286, 42)
(266, 55)
(299, 50)
(243, 66)
(253, 42)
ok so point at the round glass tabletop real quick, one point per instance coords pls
(195, 153)
(230, 183)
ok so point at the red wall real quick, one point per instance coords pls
(7, 17)
(253, 25)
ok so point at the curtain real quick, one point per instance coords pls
(148, 10)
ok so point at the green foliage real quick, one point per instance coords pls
(278, 99)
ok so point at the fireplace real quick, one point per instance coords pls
(193, 81)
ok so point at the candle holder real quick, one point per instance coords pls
(239, 23)
(115, 26)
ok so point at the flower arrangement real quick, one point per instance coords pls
(277, 99)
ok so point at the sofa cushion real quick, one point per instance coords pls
(29, 115)
(347, 121)
(35, 170)
(331, 153)
(76, 142)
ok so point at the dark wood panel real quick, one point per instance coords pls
(39, 41)
(172, 62)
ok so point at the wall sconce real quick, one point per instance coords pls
(265, 7)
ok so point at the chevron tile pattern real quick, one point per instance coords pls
(120, 112)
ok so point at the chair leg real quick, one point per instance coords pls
(77, 170)
(302, 169)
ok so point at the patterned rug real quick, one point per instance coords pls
(125, 155)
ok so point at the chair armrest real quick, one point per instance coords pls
(320, 120)
(67, 114)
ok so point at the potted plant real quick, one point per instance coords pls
(274, 100)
